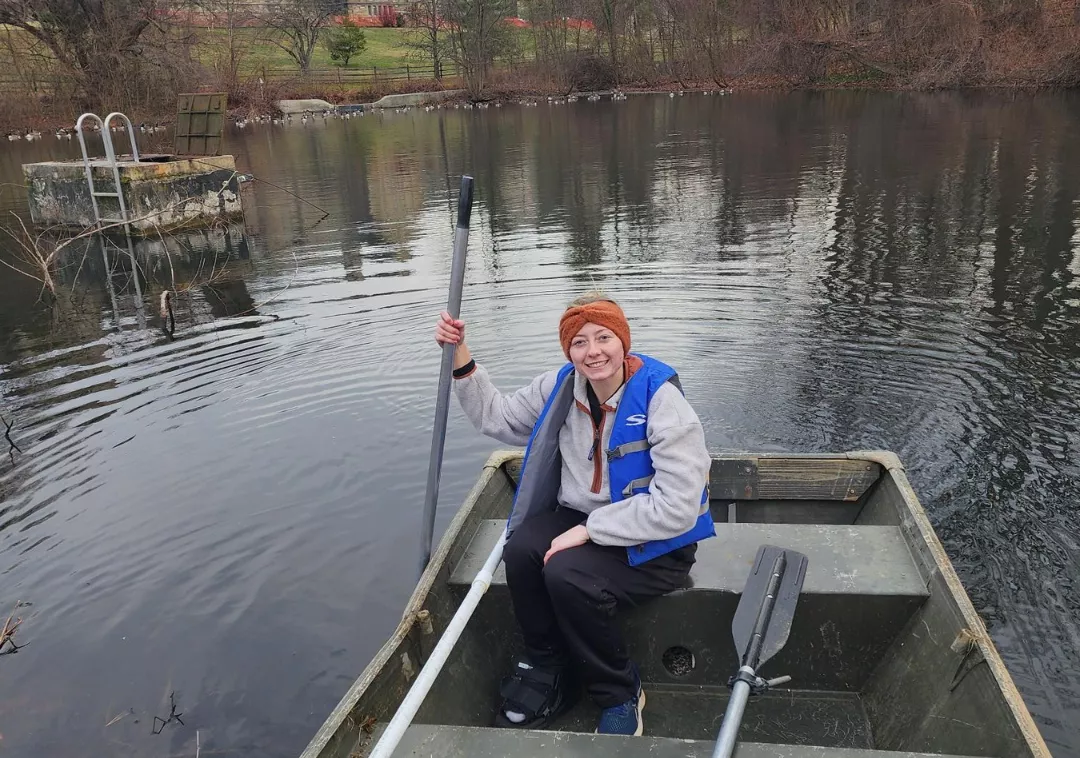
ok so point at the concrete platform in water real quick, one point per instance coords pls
(887, 656)
(161, 192)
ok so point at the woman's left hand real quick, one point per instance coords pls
(573, 537)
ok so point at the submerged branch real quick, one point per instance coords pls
(173, 716)
(7, 436)
(7, 633)
(40, 256)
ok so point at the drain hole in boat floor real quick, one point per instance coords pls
(678, 660)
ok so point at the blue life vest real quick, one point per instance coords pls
(630, 468)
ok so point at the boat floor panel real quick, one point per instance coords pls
(832, 719)
(431, 741)
(843, 560)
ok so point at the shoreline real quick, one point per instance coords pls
(156, 121)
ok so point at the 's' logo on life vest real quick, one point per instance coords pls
(636, 420)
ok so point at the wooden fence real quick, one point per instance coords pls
(359, 76)
(368, 75)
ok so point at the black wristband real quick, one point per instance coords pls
(465, 370)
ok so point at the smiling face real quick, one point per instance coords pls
(597, 354)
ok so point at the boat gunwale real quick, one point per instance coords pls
(343, 710)
(919, 527)
(914, 523)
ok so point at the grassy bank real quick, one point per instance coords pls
(386, 48)
(1041, 49)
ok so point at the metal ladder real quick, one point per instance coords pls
(118, 193)
(110, 162)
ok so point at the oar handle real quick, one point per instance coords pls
(446, 370)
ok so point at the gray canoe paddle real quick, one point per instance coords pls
(446, 370)
(761, 627)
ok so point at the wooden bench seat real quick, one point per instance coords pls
(862, 586)
(843, 560)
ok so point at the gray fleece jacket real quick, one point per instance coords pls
(679, 455)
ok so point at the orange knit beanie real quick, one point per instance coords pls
(602, 312)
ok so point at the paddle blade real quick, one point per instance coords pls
(763, 619)
(464, 203)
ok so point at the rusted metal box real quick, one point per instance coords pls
(200, 123)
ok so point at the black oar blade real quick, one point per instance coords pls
(464, 203)
(761, 626)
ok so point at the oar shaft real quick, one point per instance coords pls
(740, 692)
(446, 370)
(729, 731)
(403, 717)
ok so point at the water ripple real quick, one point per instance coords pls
(232, 514)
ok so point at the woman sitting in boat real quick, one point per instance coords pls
(610, 505)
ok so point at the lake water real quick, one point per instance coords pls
(232, 516)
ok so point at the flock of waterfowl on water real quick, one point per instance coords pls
(31, 135)
(307, 117)
(346, 113)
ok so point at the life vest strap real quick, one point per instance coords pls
(628, 447)
(635, 484)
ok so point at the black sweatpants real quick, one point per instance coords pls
(566, 609)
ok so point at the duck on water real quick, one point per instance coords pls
(626, 550)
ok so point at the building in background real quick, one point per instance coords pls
(207, 12)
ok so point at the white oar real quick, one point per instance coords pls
(403, 717)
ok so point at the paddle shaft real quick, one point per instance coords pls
(729, 731)
(446, 371)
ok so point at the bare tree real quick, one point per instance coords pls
(98, 42)
(609, 17)
(299, 24)
(230, 16)
(557, 33)
(478, 34)
(429, 37)
(706, 29)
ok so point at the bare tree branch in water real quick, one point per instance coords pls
(40, 257)
(31, 253)
(7, 634)
(39, 253)
(173, 716)
(7, 436)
